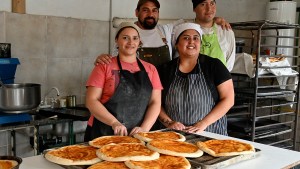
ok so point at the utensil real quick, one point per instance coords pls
(17, 159)
(19, 97)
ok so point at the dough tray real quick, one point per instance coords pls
(204, 162)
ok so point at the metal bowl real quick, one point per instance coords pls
(19, 97)
(17, 159)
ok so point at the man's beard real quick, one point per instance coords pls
(146, 25)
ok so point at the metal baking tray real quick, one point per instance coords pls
(204, 162)
(209, 162)
(262, 92)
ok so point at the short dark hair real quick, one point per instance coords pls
(197, 2)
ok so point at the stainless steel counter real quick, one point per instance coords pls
(35, 124)
(48, 116)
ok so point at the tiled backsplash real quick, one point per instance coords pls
(54, 51)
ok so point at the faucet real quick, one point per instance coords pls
(44, 102)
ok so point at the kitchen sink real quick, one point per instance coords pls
(76, 113)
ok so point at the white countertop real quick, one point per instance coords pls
(269, 158)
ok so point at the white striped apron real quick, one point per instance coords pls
(189, 100)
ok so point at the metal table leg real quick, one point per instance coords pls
(13, 139)
(71, 134)
(36, 140)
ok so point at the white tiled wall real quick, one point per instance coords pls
(54, 51)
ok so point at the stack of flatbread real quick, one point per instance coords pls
(135, 154)
(162, 150)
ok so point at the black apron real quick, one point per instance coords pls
(156, 55)
(128, 103)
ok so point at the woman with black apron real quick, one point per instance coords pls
(198, 90)
(124, 97)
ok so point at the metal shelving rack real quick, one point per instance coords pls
(260, 101)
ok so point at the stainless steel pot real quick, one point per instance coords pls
(19, 97)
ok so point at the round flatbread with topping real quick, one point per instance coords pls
(73, 155)
(218, 148)
(175, 148)
(8, 164)
(126, 151)
(148, 136)
(109, 165)
(163, 162)
(104, 140)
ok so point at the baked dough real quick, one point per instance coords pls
(218, 148)
(8, 164)
(175, 148)
(104, 140)
(126, 151)
(276, 59)
(148, 136)
(163, 162)
(73, 155)
(109, 165)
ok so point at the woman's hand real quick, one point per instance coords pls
(176, 125)
(119, 129)
(103, 59)
(196, 128)
(136, 130)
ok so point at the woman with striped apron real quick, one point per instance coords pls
(198, 89)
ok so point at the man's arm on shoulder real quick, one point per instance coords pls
(222, 22)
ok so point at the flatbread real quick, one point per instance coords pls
(163, 162)
(276, 59)
(126, 151)
(104, 140)
(109, 165)
(8, 164)
(73, 155)
(218, 148)
(175, 148)
(148, 136)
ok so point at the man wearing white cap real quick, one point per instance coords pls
(198, 89)
(216, 42)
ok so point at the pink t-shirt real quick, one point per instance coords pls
(107, 77)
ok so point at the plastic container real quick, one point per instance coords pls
(8, 67)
